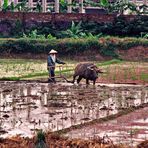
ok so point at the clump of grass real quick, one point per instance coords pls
(114, 61)
(10, 78)
(144, 77)
(40, 141)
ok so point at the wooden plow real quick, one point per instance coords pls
(62, 72)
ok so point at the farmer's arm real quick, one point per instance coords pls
(59, 62)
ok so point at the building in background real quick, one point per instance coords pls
(55, 5)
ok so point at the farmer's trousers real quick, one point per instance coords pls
(51, 75)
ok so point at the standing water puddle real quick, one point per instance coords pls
(27, 107)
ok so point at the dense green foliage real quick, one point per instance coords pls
(119, 27)
(69, 46)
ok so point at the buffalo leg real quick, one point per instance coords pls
(94, 81)
(74, 77)
(87, 81)
(79, 79)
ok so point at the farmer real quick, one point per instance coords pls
(51, 61)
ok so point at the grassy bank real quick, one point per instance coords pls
(105, 46)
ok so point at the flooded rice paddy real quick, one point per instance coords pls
(27, 107)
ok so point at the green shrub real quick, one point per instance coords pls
(119, 27)
(109, 49)
(106, 46)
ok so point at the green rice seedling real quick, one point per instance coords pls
(107, 75)
(113, 61)
(14, 66)
(25, 67)
(22, 68)
(132, 132)
(133, 73)
(144, 77)
(19, 69)
(133, 77)
(114, 76)
(125, 74)
(7, 68)
(28, 67)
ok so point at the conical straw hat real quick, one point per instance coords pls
(53, 51)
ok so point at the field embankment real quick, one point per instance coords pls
(81, 49)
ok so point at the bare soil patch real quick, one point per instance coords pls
(138, 53)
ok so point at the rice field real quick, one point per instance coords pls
(115, 71)
(111, 112)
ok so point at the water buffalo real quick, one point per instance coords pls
(88, 71)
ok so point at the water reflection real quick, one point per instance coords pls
(25, 108)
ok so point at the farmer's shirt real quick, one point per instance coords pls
(51, 60)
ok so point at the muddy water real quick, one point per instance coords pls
(27, 107)
(129, 129)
